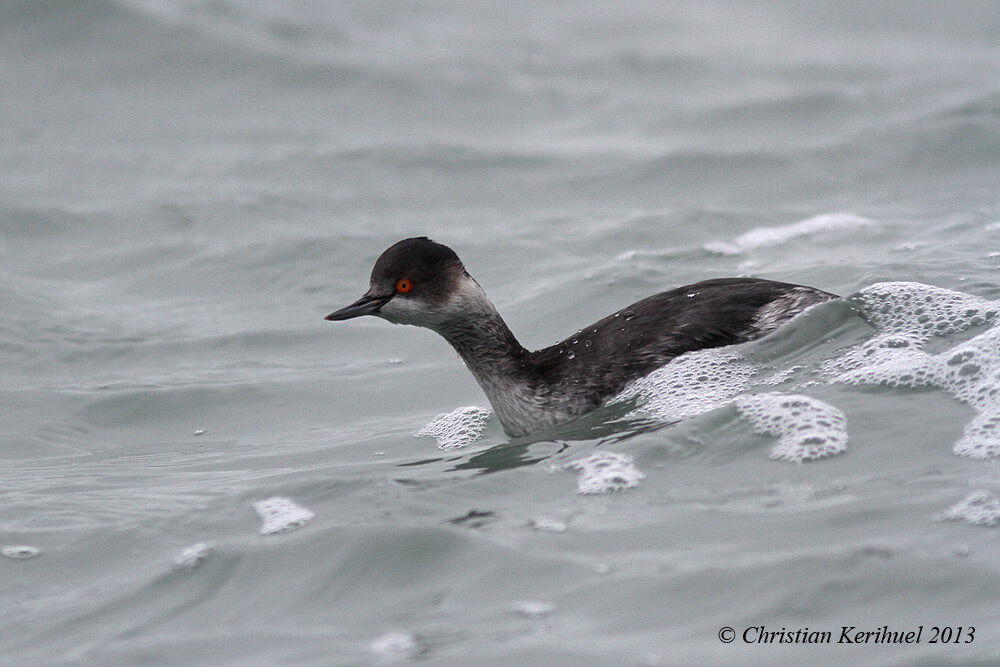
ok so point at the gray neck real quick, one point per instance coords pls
(521, 400)
(501, 366)
(487, 346)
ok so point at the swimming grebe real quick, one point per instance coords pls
(420, 282)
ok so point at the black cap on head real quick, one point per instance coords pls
(427, 267)
(418, 259)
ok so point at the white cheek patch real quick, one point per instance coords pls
(465, 300)
(404, 310)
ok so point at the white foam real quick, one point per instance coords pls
(970, 371)
(920, 311)
(807, 429)
(722, 248)
(906, 316)
(396, 645)
(459, 428)
(899, 349)
(701, 381)
(980, 437)
(19, 552)
(548, 524)
(981, 508)
(279, 515)
(533, 609)
(604, 472)
(760, 237)
(691, 384)
(191, 557)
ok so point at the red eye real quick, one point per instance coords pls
(403, 285)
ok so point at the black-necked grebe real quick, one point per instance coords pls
(420, 282)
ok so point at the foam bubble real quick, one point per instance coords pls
(969, 371)
(533, 609)
(980, 437)
(920, 311)
(722, 248)
(697, 382)
(458, 428)
(19, 552)
(396, 645)
(770, 236)
(906, 316)
(981, 508)
(191, 557)
(604, 472)
(281, 514)
(900, 350)
(807, 429)
(548, 524)
(910, 246)
(691, 384)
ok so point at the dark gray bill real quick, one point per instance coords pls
(366, 305)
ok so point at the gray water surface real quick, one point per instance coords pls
(187, 188)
